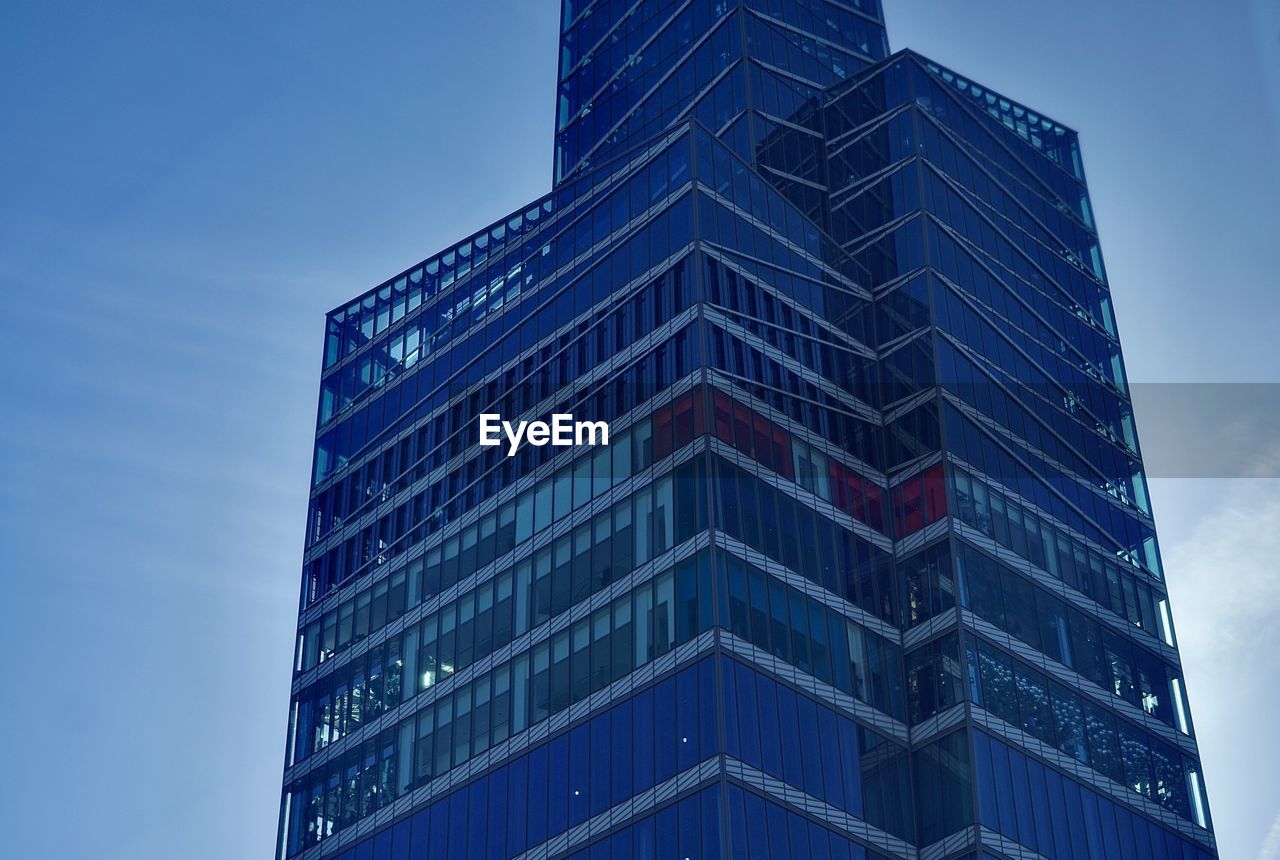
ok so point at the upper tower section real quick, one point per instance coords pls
(630, 68)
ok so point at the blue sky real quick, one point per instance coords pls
(187, 188)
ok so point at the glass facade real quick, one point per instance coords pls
(867, 567)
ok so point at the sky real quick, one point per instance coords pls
(186, 189)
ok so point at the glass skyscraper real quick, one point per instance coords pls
(867, 568)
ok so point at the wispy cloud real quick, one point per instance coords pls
(1271, 845)
(1226, 594)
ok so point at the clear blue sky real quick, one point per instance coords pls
(185, 189)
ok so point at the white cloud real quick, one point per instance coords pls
(1224, 572)
(1271, 845)
(1224, 581)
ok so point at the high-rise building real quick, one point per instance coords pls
(867, 567)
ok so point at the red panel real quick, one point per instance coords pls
(761, 447)
(742, 429)
(699, 411)
(770, 445)
(935, 494)
(683, 412)
(662, 421)
(783, 463)
(722, 408)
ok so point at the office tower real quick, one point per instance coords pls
(867, 567)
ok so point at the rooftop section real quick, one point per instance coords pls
(369, 314)
(629, 69)
(360, 320)
(1058, 142)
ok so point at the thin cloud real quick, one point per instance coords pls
(1225, 594)
(1271, 845)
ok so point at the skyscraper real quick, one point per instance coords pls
(867, 566)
